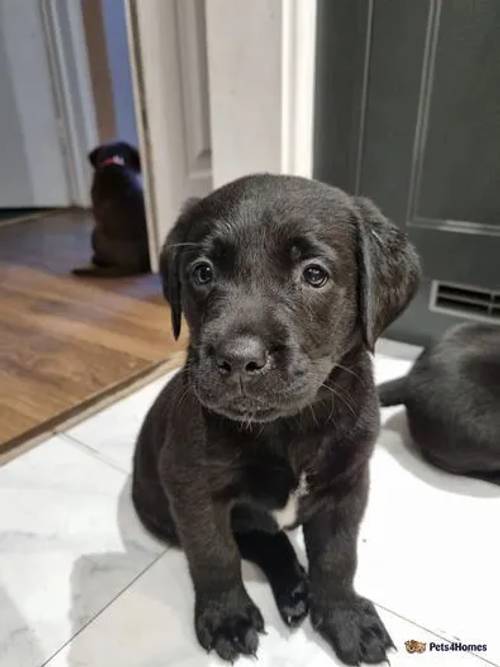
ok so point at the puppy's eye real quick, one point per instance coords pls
(202, 274)
(315, 275)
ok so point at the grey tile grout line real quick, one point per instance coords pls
(88, 449)
(432, 632)
(106, 606)
(158, 372)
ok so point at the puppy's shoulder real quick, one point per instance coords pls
(174, 412)
(177, 401)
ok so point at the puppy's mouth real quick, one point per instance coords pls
(281, 392)
(251, 414)
(248, 409)
(244, 408)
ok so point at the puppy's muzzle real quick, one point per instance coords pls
(241, 358)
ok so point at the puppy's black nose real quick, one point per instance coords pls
(245, 355)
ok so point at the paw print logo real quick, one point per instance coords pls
(413, 646)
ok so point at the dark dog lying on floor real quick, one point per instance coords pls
(452, 398)
(119, 240)
(285, 284)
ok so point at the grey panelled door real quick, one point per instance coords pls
(408, 113)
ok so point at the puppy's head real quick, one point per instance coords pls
(118, 152)
(279, 277)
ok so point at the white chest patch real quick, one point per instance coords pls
(287, 515)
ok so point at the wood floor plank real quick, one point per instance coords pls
(85, 321)
(66, 341)
(44, 377)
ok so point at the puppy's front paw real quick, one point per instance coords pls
(228, 623)
(353, 628)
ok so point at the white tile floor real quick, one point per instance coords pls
(83, 585)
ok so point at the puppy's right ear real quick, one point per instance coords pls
(135, 158)
(389, 270)
(93, 156)
(170, 264)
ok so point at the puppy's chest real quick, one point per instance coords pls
(274, 487)
(289, 514)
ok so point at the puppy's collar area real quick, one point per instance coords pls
(114, 159)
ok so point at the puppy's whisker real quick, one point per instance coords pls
(340, 397)
(349, 370)
(347, 402)
(182, 397)
(313, 414)
(332, 410)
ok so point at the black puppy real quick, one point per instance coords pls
(452, 398)
(285, 284)
(119, 239)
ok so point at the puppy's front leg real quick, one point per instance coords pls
(226, 619)
(347, 621)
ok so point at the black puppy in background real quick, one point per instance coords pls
(285, 284)
(452, 399)
(119, 239)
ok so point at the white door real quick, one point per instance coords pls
(32, 165)
(167, 41)
(223, 88)
(261, 57)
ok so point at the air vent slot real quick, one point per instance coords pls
(474, 303)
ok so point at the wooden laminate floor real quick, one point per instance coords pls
(66, 341)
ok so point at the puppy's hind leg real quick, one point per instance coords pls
(275, 556)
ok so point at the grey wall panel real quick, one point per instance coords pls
(408, 113)
(397, 51)
(341, 38)
(461, 166)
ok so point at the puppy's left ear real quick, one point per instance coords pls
(170, 264)
(389, 270)
(92, 156)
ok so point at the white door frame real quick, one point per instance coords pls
(298, 86)
(261, 57)
(167, 39)
(65, 40)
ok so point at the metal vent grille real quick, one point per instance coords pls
(473, 303)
